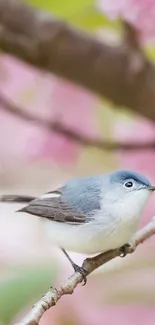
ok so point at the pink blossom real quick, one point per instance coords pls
(72, 107)
(47, 97)
(84, 309)
(140, 13)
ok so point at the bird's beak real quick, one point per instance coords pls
(151, 188)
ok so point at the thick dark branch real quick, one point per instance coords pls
(120, 73)
(71, 134)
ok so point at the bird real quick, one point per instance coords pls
(91, 214)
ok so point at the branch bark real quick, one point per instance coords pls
(121, 73)
(77, 137)
(89, 264)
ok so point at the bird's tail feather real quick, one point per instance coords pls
(16, 198)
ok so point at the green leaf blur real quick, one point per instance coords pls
(80, 13)
(22, 288)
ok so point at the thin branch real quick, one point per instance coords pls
(121, 73)
(81, 139)
(89, 264)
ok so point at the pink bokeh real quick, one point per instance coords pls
(140, 13)
(84, 309)
(50, 98)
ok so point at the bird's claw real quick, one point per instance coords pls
(124, 250)
(80, 270)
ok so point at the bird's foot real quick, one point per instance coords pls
(76, 267)
(80, 270)
(124, 250)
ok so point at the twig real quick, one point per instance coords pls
(89, 264)
(121, 73)
(7, 105)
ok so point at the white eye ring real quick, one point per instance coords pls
(129, 184)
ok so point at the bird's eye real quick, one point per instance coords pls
(128, 184)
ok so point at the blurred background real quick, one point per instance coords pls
(34, 159)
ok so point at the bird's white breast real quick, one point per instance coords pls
(111, 227)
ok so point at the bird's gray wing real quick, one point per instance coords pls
(76, 202)
(54, 209)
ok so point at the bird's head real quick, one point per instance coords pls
(130, 189)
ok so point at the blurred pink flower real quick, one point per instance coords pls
(121, 315)
(73, 108)
(90, 312)
(140, 13)
(50, 98)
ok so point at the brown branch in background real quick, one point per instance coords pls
(121, 73)
(89, 264)
(77, 137)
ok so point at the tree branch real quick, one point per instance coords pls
(121, 73)
(81, 139)
(89, 264)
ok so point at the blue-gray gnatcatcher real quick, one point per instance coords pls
(92, 214)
